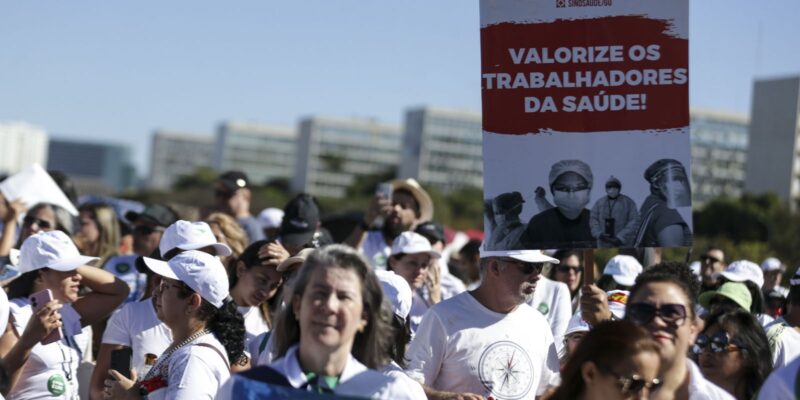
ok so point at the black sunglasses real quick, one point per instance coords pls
(29, 220)
(145, 230)
(644, 313)
(527, 268)
(634, 384)
(717, 343)
(565, 269)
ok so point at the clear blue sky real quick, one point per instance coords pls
(115, 71)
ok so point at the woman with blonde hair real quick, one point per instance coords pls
(228, 231)
(98, 233)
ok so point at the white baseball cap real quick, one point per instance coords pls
(412, 243)
(270, 218)
(397, 291)
(201, 271)
(576, 324)
(624, 269)
(187, 235)
(743, 270)
(772, 264)
(53, 250)
(533, 256)
(617, 301)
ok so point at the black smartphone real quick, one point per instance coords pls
(121, 361)
(609, 228)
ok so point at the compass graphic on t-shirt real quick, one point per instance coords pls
(506, 370)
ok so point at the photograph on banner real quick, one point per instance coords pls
(585, 138)
(601, 190)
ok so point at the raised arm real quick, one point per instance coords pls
(108, 292)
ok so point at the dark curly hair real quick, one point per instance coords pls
(225, 323)
(677, 273)
(747, 332)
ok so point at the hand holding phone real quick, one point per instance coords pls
(121, 361)
(52, 321)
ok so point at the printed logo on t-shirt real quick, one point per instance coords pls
(506, 370)
(56, 385)
(543, 308)
(123, 267)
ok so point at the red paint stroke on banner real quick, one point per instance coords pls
(664, 106)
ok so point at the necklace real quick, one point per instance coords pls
(160, 362)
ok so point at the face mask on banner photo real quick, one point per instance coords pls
(571, 203)
(676, 189)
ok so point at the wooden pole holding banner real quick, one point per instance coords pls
(588, 267)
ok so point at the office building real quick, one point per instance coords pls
(261, 151)
(175, 154)
(719, 153)
(94, 167)
(443, 148)
(333, 153)
(21, 144)
(773, 164)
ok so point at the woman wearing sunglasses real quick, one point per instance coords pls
(733, 352)
(615, 360)
(663, 302)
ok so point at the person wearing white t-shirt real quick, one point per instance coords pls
(552, 299)
(194, 302)
(50, 261)
(782, 383)
(136, 324)
(488, 342)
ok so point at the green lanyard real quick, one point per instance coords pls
(322, 383)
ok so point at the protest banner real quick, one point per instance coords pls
(586, 123)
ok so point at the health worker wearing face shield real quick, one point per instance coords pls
(662, 225)
(567, 224)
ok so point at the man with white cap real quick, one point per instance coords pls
(412, 257)
(50, 261)
(488, 342)
(136, 325)
(773, 275)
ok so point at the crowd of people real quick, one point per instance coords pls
(145, 304)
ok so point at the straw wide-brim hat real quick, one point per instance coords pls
(422, 197)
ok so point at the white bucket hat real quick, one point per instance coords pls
(624, 269)
(743, 270)
(187, 235)
(413, 243)
(53, 250)
(533, 256)
(201, 271)
(397, 291)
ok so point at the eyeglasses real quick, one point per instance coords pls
(634, 384)
(644, 313)
(717, 344)
(709, 260)
(30, 220)
(527, 268)
(145, 230)
(565, 269)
